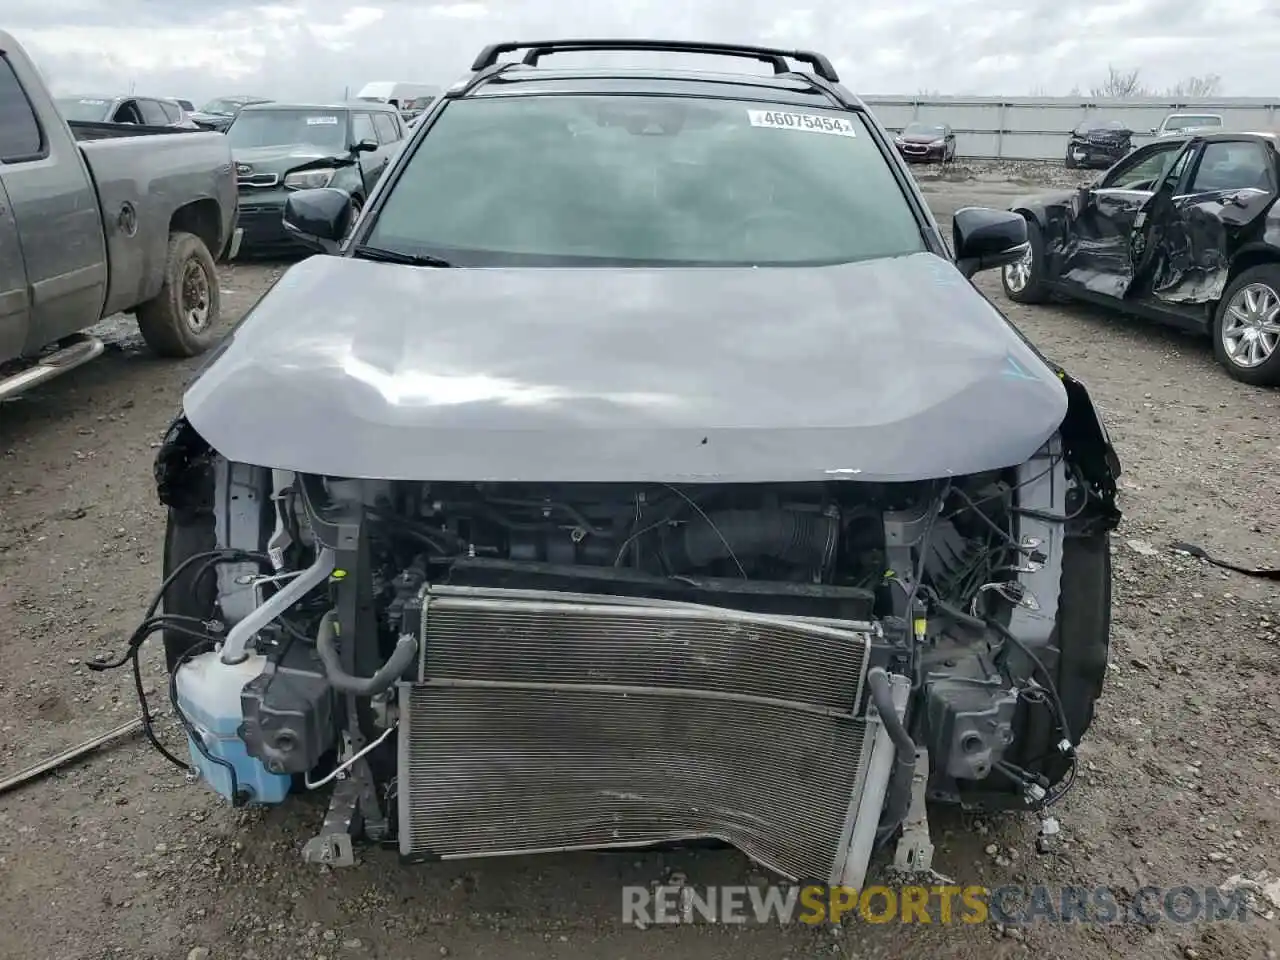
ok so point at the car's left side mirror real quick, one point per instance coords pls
(984, 238)
(365, 146)
(319, 218)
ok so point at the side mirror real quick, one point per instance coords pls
(319, 218)
(365, 146)
(984, 238)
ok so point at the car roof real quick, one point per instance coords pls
(1220, 136)
(338, 106)
(492, 76)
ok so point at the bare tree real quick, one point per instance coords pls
(923, 94)
(1210, 85)
(1039, 90)
(1119, 85)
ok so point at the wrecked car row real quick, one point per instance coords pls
(556, 539)
(1183, 231)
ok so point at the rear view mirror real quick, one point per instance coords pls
(984, 238)
(319, 218)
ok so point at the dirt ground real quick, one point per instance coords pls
(119, 857)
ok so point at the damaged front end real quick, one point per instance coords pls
(508, 668)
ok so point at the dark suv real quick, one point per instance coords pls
(1097, 144)
(282, 147)
(644, 467)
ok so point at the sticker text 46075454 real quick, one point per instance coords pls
(808, 122)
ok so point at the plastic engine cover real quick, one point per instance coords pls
(209, 697)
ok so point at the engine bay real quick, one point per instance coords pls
(350, 613)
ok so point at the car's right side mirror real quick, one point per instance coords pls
(984, 238)
(319, 218)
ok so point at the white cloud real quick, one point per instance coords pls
(317, 48)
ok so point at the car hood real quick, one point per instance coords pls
(280, 159)
(920, 138)
(893, 369)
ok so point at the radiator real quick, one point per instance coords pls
(547, 722)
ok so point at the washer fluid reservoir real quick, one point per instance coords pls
(208, 693)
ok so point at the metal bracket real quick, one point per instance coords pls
(333, 845)
(914, 853)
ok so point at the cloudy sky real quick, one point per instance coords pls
(316, 48)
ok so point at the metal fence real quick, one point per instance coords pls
(1036, 128)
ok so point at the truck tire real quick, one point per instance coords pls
(181, 320)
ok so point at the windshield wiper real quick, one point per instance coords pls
(365, 252)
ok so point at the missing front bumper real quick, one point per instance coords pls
(543, 722)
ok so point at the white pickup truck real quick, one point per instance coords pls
(1177, 123)
(129, 220)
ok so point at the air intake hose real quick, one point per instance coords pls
(787, 535)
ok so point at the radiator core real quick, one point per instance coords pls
(543, 721)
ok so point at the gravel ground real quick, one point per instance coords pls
(119, 857)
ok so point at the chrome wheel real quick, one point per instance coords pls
(1251, 325)
(195, 296)
(1018, 274)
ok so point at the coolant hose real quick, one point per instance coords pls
(400, 659)
(235, 649)
(882, 697)
(898, 794)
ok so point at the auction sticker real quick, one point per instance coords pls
(322, 121)
(809, 122)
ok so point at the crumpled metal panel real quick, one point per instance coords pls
(540, 725)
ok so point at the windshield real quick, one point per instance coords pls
(1101, 126)
(84, 108)
(583, 180)
(323, 129)
(222, 107)
(1184, 121)
(925, 130)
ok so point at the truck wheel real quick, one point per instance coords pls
(180, 321)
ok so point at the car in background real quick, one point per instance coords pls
(1176, 124)
(282, 147)
(217, 114)
(1097, 144)
(1183, 231)
(923, 142)
(141, 111)
(186, 105)
(411, 110)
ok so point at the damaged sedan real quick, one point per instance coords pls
(640, 468)
(1183, 231)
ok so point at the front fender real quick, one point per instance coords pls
(1088, 446)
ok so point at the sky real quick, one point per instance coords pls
(320, 49)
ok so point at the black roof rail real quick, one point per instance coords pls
(773, 56)
(467, 84)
